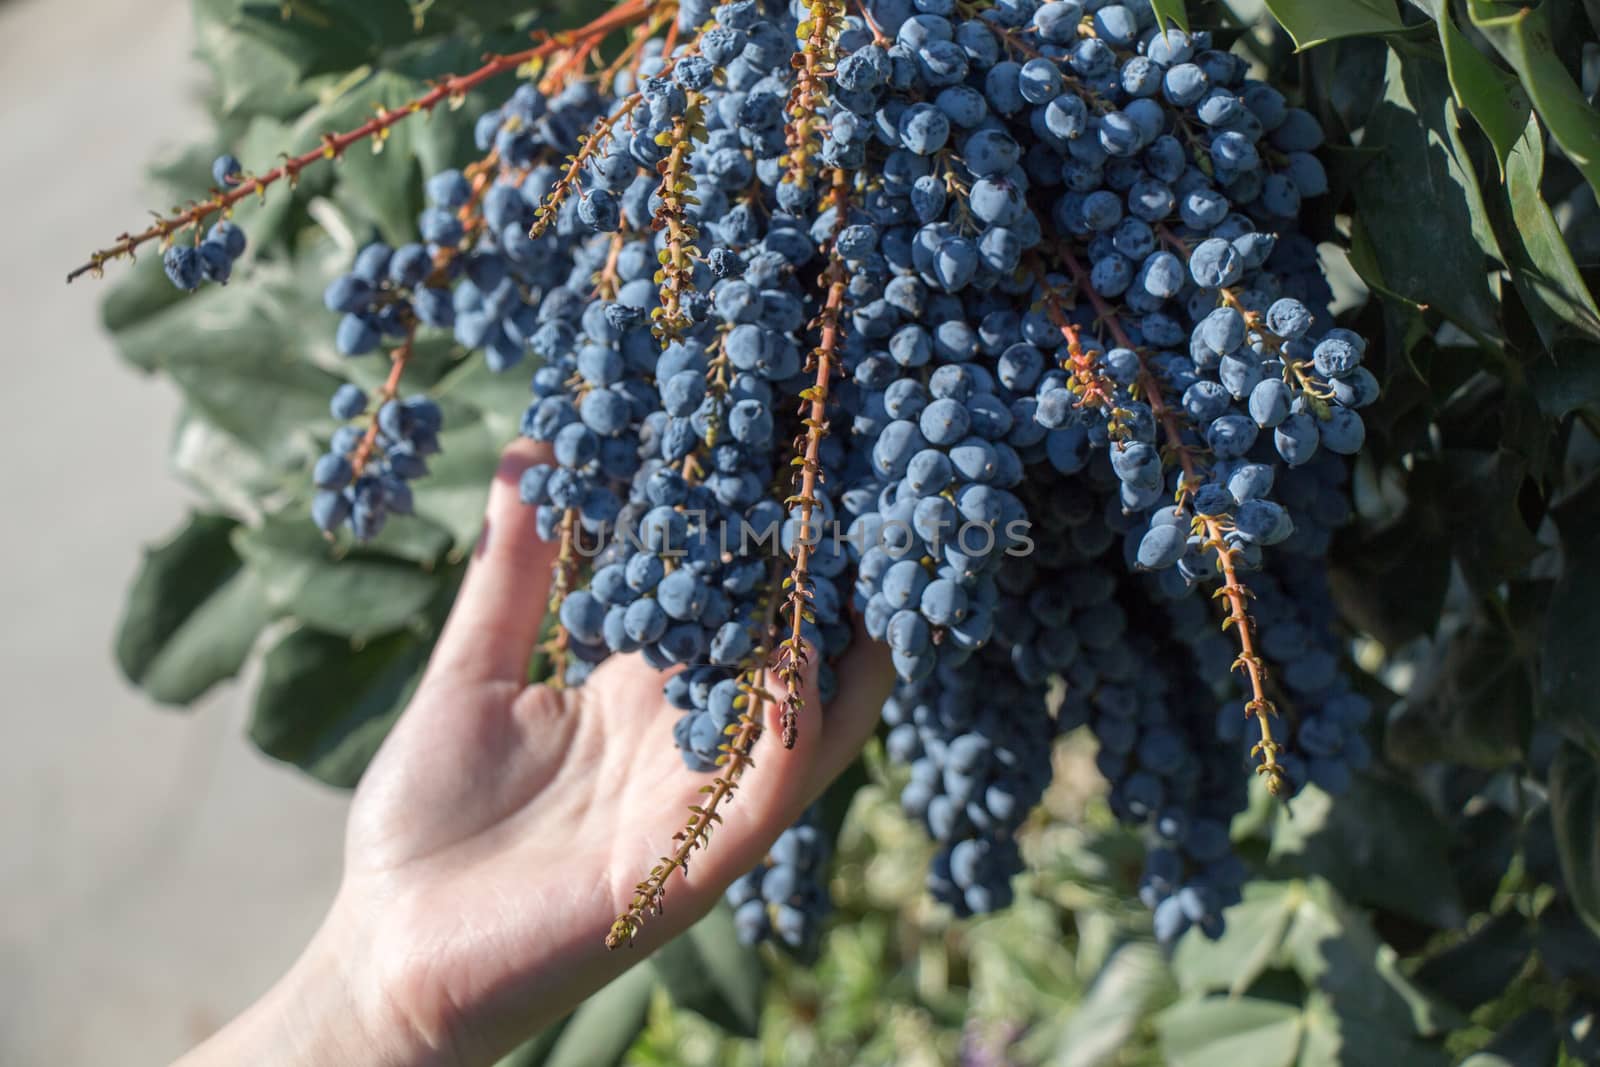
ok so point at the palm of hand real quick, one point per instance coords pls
(503, 827)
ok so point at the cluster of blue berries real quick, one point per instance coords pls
(785, 898)
(212, 259)
(1084, 356)
(366, 474)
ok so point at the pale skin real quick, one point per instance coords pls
(502, 828)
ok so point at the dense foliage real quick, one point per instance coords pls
(1104, 270)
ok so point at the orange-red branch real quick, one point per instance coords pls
(1232, 589)
(649, 896)
(1094, 389)
(814, 409)
(334, 145)
(389, 391)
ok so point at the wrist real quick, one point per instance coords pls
(332, 1007)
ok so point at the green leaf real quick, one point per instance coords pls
(1334, 949)
(1305, 926)
(142, 291)
(1479, 968)
(1380, 844)
(381, 180)
(1575, 810)
(192, 615)
(1249, 943)
(1436, 258)
(359, 596)
(1491, 539)
(250, 74)
(1471, 703)
(265, 217)
(1354, 84)
(1338, 1037)
(1311, 22)
(1173, 11)
(237, 357)
(1237, 1031)
(1570, 674)
(1524, 39)
(325, 704)
(600, 1032)
(1542, 268)
(457, 486)
(707, 971)
(499, 398)
(1130, 983)
(1568, 948)
(1490, 95)
(1392, 582)
(1529, 1040)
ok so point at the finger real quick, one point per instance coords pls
(866, 677)
(814, 761)
(497, 615)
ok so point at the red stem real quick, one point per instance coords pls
(334, 145)
(1259, 705)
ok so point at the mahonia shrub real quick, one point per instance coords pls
(1201, 421)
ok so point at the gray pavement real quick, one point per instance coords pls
(155, 872)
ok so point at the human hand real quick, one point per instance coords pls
(502, 828)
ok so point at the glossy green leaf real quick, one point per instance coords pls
(1575, 810)
(1470, 706)
(250, 74)
(1130, 983)
(1523, 38)
(237, 356)
(324, 703)
(1478, 503)
(457, 486)
(499, 399)
(1557, 299)
(1248, 946)
(1306, 927)
(1311, 22)
(1529, 1040)
(1480, 967)
(708, 971)
(1354, 85)
(381, 179)
(600, 1032)
(192, 615)
(141, 291)
(1490, 95)
(1173, 11)
(1334, 949)
(1336, 1036)
(358, 596)
(1237, 1031)
(1379, 844)
(1570, 675)
(1437, 258)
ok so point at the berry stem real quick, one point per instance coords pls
(590, 143)
(814, 412)
(1094, 389)
(1294, 370)
(814, 61)
(334, 145)
(676, 276)
(564, 579)
(1234, 591)
(649, 896)
(387, 392)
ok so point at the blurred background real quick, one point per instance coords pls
(156, 872)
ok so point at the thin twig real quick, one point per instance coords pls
(334, 145)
